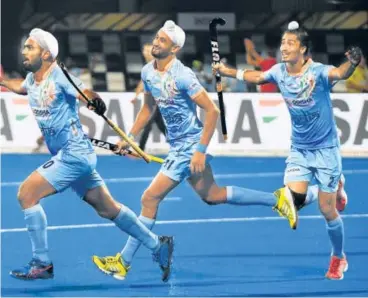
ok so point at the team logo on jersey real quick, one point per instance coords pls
(303, 89)
(168, 87)
(307, 83)
(47, 93)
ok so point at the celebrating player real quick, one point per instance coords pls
(156, 116)
(54, 103)
(176, 91)
(305, 86)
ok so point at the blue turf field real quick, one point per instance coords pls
(244, 251)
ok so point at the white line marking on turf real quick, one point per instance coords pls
(219, 176)
(172, 199)
(188, 221)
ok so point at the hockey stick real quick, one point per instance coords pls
(116, 128)
(112, 147)
(216, 59)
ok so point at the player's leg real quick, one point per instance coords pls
(137, 227)
(207, 189)
(312, 196)
(212, 194)
(126, 220)
(53, 176)
(172, 172)
(335, 229)
(296, 178)
(32, 190)
(150, 200)
(328, 175)
(341, 196)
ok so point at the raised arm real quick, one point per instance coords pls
(345, 70)
(14, 85)
(251, 76)
(252, 56)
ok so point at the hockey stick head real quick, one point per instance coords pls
(217, 21)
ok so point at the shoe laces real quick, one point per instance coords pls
(334, 266)
(284, 210)
(112, 263)
(32, 263)
(112, 260)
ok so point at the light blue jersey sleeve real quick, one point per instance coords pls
(67, 86)
(273, 74)
(144, 74)
(188, 83)
(25, 83)
(322, 71)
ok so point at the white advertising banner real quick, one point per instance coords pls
(258, 124)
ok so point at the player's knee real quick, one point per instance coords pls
(25, 197)
(108, 210)
(210, 201)
(100, 199)
(215, 196)
(327, 209)
(149, 199)
(299, 199)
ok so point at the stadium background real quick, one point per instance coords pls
(232, 251)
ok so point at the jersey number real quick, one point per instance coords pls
(168, 163)
(48, 164)
(333, 180)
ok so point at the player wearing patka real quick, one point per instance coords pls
(305, 86)
(54, 102)
(175, 89)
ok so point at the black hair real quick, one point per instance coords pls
(303, 37)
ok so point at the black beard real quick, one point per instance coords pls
(34, 66)
(160, 55)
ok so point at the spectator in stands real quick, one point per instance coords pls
(358, 81)
(203, 76)
(255, 59)
(155, 115)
